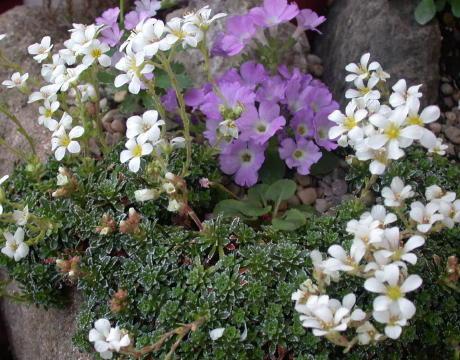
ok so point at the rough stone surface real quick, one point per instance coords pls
(386, 29)
(34, 333)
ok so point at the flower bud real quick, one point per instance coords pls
(145, 195)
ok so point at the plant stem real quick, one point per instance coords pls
(371, 181)
(205, 52)
(157, 101)
(183, 114)
(192, 214)
(21, 129)
(99, 127)
(122, 13)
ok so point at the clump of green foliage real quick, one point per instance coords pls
(236, 276)
(426, 9)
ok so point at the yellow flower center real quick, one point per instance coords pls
(392, 131)
(415, 120)
(96, 53)
(349, 123)
(394, 292)
(137, 151)
(48, 113)
(364, 90)
(298, 154)
(65, 141)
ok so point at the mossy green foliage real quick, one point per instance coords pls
(175, 275)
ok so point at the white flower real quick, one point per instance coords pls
(397, 193)
(392, 249)
(21, 216)
(361, 70)
(81, 37)
(202, 18)
(404, 96)
(379, 213)
(47, 92)
(15, 247)
(174, 205)
(149, 7)
(388, 284)
(117, 339)
(17, 81)
(145, 195)
(62, 142)
(149, 38)
(57, 67)
(69, 77)
(366, 230)
(134, 152)
(178, 142)
(436, 194)
(425, 216)
(438, 148)
(380, 74)
(42, 50)
(169, 188)
(216, 333)
(228, 129)
(46, 114)
(96, 51)
(134, 68)
(87, 92)
(394, 320)
(2, 36)
(341, 261)
(185, 32)
(320, 272)
(107, 339)
(393, 133)
(367, 333)
(69, 57)
(450, 213)
(364, 92)
(145, 128)
(325, 315)
(348, 124)
(379, 157)
(2, 180)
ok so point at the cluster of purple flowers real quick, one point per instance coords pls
(241, 29)
(247, 109)
(111, 33)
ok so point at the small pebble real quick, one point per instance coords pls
(294, 201)
(307, 196)
(435, 127)
(447, 89)
(109, 116)
(339, 187)
(453, 134)
(449, 102)
(118, 125)
(314, 59)
(119, 96)
(316, 69)
(321, 205)
(303, 180)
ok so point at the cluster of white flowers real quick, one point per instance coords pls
(380, 252)
(378, 128)
(152, 36)
(107, 339)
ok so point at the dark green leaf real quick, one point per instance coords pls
(281, 190)
(325, 165)
(106, 77)
(455, 5)
(291, 220)
(273, 169)
(440, 4)
(257, 194)
(230, 208)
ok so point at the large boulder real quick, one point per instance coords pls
(386, 29)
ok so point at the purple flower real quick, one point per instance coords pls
(272, 89)
(260, 126)
(112, 35)
(196, 97)
(149, 7)
(232, 96)
(169, 100)
(133, 18)
(108, 17)
(231, 75)
(301, 154)
(302, 123)
(242, 159)
(253, 73)
(240, 30)
(274, 12)
(322, 125)
(309, 20)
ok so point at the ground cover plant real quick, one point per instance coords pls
(166, 259)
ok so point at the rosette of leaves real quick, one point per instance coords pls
(426, 9)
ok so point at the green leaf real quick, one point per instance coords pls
(440, 4)
(281, 190)
(230, 208)
(455, 5)
(274, 168)
(325, 165)
(106, 77)
(257, 194)
(291, 220)
(425, 11)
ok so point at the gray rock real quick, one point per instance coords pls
(453, 134)
(307, 196)
(386, 29)
(447, 89)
